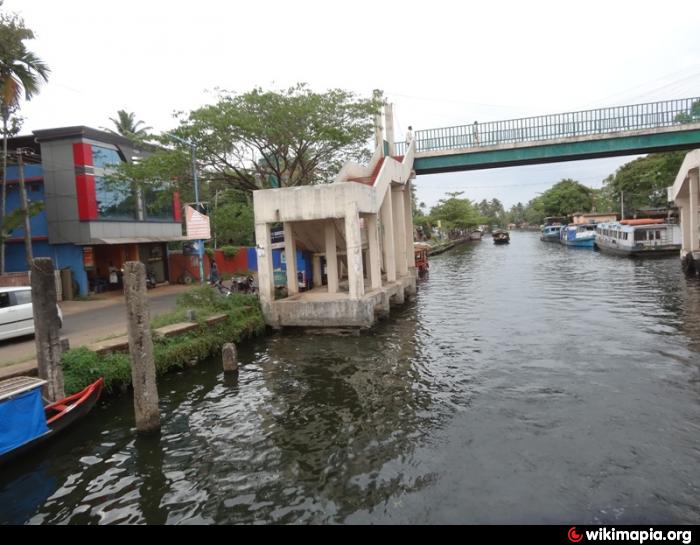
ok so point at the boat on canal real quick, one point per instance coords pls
(421, 250)
(26, 423)
(551, 230)
(476, 235)
(578, 235)
(501, 237)
(639, 238)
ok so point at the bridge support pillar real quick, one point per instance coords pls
(399, 231)
(318, 275)
(264, 251)
(375, 271)
(353, 238)
(408, 216)
(387, 216)
(290, 253)
(331, 257)
(693, 210)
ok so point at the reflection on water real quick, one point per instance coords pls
(527, 383)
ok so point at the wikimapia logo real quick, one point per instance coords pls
(636, 536)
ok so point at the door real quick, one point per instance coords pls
(24, 313)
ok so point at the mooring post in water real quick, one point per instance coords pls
(46, 337)
(230, 357)
(143, 369)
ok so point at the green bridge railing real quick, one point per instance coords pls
(651, 115)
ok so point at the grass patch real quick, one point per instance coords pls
(82, 366)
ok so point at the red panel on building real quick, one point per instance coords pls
(177, 212)
(84, 182)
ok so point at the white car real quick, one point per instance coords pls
(17, 314)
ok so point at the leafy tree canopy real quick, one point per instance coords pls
(456, 213)
(126, 125)
(567, 197)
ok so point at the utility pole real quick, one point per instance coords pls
(25, 210)
(622, 205)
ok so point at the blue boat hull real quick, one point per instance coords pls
(581, 243)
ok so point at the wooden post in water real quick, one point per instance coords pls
(143, 369)
(46, 337)
(230, 357)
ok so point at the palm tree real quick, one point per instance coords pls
(127, 125)
(21, 72)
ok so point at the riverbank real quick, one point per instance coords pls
(176, 343)
(442, 247)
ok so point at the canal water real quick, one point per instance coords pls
(527, 383)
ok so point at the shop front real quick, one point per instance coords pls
(104, 263)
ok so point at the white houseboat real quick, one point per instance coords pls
(641, 237)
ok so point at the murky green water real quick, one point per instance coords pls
(527, 383)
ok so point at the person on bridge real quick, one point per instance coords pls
(409, 136)
(475, 133)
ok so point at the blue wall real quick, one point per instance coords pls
(63, 256)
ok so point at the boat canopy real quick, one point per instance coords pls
(22, 416)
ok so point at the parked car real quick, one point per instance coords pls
(17, 314)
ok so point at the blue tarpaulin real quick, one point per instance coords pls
(22, 419)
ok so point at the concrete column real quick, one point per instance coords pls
(375, 271)
(318, 274)
(683, 208)
(290, 252)
(399, 232)
(265, 272)
(331, 257)
(693, 210)
(387, 216)
(408, 217)
(143, 368)
(229, 357)
(353, 239)
(389, 127)
(46, 337)
(379, 132)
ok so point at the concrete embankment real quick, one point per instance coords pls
(448, 245)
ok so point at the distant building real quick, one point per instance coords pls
(87, 224)
(593, 217)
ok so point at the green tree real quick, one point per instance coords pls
(456, 214)
(127, 126)
(232, 221)
(21, 72)
(534, 211)
(567, 197)
(692, 116)
(643, 181)
(493, 212)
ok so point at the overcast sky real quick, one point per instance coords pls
(440, 62)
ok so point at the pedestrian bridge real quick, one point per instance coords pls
(588, 134)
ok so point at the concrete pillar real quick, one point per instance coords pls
(408, 217)
(46, 337)
(290, 252)
(375, 271)
(318, 274)
(379, 132)
(331, 257)
(353, 239)
(265, 272)
(684, 209)
(229, 356)
(389, 127)
(143, 368)
(387, 216)
(693, 210)
(399, 232)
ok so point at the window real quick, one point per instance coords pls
(640, 235)
(658, 235)
(626, 236)
(115, 199)
(158, 203)
(5, 300)
(23, 297)
(105, 157)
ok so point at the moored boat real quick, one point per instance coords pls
(639, 238)
(551, 233)
(420, 250)
(26, 423)
(476, 235)
(579, 235)
(501, 237)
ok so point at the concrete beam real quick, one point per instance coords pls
(265, 272)
(290, 252)
(375, 271)
(331, 257)
(399, 231)
(353, 238)
(693, 209)
(387, 216)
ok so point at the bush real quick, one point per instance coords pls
(230, 252)
(82, 367)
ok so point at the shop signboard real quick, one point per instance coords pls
(88, 258)
(197, 224)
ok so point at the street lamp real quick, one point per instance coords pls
(200, 243)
